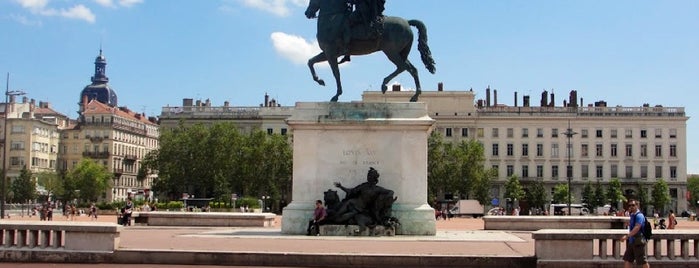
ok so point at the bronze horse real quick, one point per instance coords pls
(395, 42)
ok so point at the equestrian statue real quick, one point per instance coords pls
(358, 27)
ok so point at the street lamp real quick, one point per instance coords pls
(3, 185)
(569, 169)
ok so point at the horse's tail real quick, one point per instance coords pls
(425, 53)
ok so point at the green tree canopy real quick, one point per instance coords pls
(88, 180)
(693, 188)
(614, 193)
(537, 195)
(23, 187)
(513, 188)
(599, 197)
(560, 194)
(51, 182)
(588, 196)
(660, 195)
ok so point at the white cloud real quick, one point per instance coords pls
(40, 7)
(79, 12)
(25, 21)
(277, 7)
(294, 48)
(122, 3)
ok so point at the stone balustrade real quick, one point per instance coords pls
(59, 236)
(533, 223)
(602, 248)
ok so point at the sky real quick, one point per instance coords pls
(625, 52)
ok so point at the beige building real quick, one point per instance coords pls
(637, 145)
(32, 136)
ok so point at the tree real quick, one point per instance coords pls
(693, 188)
(560, 194)
(537, 195)
(643, 197)
(481, 186)
(90, 179)
(50, 182)
(614, 193)
(588, 196)
(513, 189)
(23, 187)
(660, 195)
(599, 197)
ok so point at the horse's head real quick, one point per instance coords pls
(313, 7)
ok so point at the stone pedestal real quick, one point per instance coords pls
(338, 142)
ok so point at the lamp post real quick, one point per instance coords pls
(569, 169)
(3, 185)
(265, 198)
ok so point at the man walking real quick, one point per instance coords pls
(636, 245)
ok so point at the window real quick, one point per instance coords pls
(17, 129)
(644, 133)
(658, 133)
(448, 132)
(510, 149)
(673, 150)
(510, 170)
(284, 131)
(583, 133)
(598, 133)
(17, 145)
(525, 133)
(539, 132)
(539, 171)
(629, 150)
(673, 133)
(525, 171)
(644, 172)
(539, 149)
(554, 150)
(673, 172)
(613, 133)
(464, 132)
(270, 131)
(496, 168)
(583, 150)
(598, 150)
(496, 149)
(17, 161)
(525, 149)
(599, 170)
(644, 150)
(628, 133)
(554, 171)
(658, 172)
(613, 150)
(496, 132)
(615, 171)
(658, 150)
(554, 133)
(629, 172)
(510, 132)
(584, 171)
(479, 132)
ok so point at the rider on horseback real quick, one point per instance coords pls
(367, 14)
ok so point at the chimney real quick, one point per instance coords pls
(544, 99)
(266, 100)
(82, 107)
(187, 102)
(198, 103)
(553, 102)
(480, 103)
(526, 100)
(226, 104)
(24, 99)
(487, 97)
(515, 98)
(440, 86)
(581, 102)
(396, 87)
(495, 97)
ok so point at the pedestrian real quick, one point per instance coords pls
(93, 212)
(319, 214)
(672, 221)
(636, 242)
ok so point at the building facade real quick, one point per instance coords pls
(637, 145)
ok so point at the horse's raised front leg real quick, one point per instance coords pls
(312, 61)
(400, 67)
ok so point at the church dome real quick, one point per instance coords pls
(99, 89)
